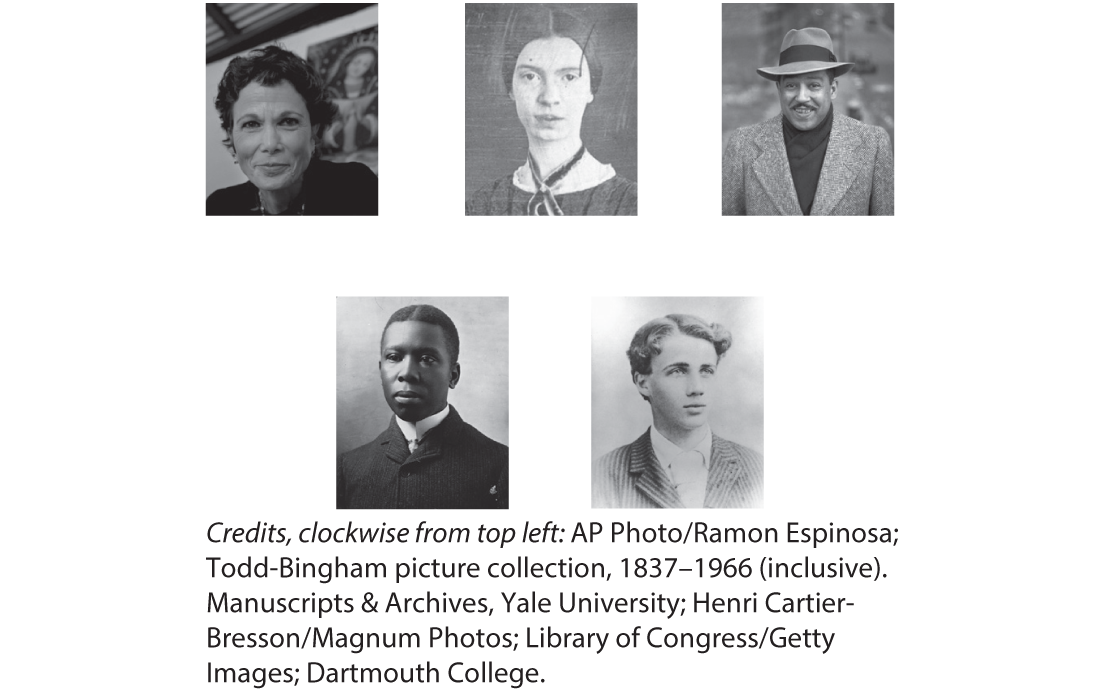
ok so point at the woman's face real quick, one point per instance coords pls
(551, 87)
(272, 136)
(360, 64)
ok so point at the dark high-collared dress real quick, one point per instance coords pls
(455, 467)
(631, 477)
(615, 197)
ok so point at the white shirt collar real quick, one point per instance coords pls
(417, 430)
(588, 173)
(667, 452)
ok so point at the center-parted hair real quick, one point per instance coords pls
(528, 23)
(268, 67)
(429, 314)
(647, 340)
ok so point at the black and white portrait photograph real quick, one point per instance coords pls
(292, 110)
(677, 403)
(808, 109)
(405, 368)
(551, 109)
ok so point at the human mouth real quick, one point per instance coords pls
(406, 396)
(272, 169)
(548, 119)
(803, 111)
(695, 409)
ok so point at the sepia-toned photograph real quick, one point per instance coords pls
(677, 403)
(808, 109)
(292, 114)
(551, 109)
(405, 368)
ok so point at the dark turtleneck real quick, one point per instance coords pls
(806, 154)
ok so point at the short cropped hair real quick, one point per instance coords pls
(269, 66)
(530, 23)
(647, 340)
(430, 315)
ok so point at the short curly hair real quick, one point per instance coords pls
(429, 314)
(647, 340)
(530, 23)
(269, 66)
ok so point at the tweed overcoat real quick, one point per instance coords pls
(857, 176)
(455, 467)
(631, 477)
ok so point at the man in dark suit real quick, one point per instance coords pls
(810, 160)
(678, 462)
(428, 458)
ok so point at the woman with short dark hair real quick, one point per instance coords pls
(273, 108)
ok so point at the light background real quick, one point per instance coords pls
(735, 396)
(481, 396)
(935, 371)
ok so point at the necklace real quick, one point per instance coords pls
(263, 212)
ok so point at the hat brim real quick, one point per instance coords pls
(793, 68)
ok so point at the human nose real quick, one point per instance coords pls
(803, 93)
(407, 371)
(550, 93)
(270, 138)
(695, 385)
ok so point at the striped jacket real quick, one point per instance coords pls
(631, 478)
(857, 176)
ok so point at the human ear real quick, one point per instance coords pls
(642, 383)
(456, 372)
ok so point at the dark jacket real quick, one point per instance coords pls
(631, 477)
(330, 189)
(455, 467)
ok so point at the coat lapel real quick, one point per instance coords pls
(648, 477)
(394, 445)
(842, 165)
(773, 171)
(726, 466)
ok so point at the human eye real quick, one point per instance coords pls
(249, 125)
(707, 370)
(391, 357)
(290, 121)
(676, 370)
(427, 360)
(570, 77)
(526, 76)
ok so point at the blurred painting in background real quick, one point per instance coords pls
(349, 66)
(862, 33)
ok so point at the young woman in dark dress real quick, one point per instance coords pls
(552, 71)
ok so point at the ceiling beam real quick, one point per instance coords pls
(215, 13)
(317, 14)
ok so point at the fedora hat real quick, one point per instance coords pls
(805, 50)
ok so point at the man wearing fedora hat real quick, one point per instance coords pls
(809, 160)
